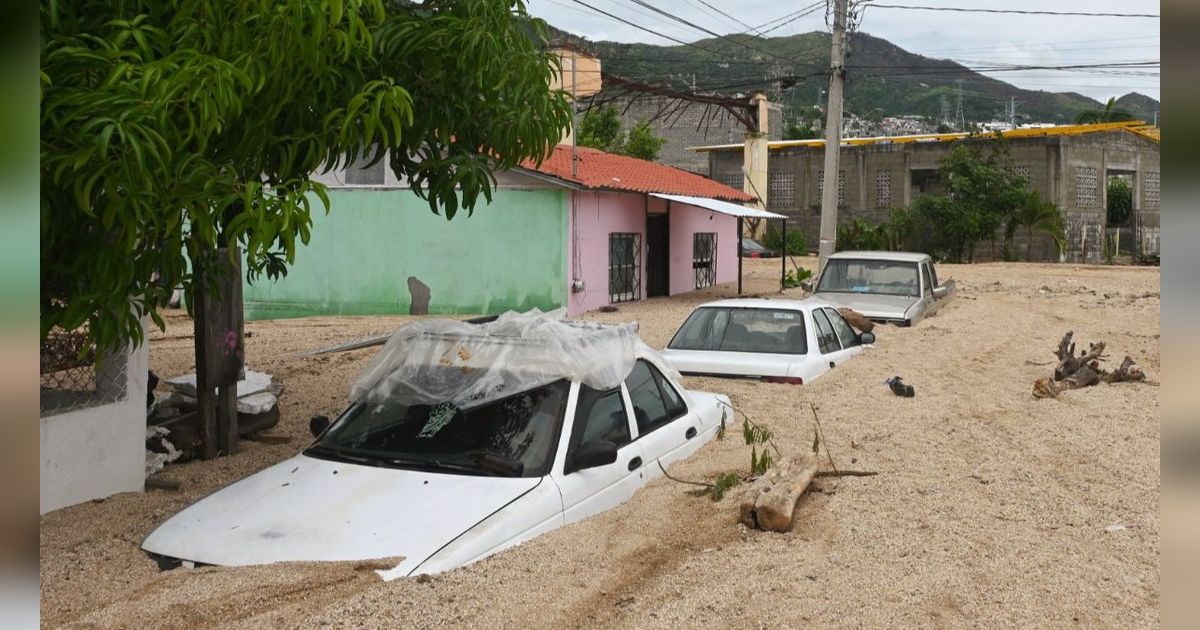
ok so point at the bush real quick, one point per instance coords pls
(797, 245)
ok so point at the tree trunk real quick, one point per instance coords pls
(1029, 240)
(772, 499)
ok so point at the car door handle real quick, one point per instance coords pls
(635, 463)
(690, 433)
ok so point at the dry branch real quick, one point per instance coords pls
(1083, 370)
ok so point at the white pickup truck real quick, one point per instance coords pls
(892, 287)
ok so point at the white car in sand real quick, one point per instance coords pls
(777, 341)
(892, 287)
(462, 440)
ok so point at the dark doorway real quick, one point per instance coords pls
(657, 255)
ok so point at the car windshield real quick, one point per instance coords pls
(753, 245)
(766, 330)
(510, 437)
(877, 277)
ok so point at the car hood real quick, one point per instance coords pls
(308, 509)
(871, 305)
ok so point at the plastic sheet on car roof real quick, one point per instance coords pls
(441, 360)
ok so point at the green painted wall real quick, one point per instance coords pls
(510, 254)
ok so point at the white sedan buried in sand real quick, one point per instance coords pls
(462, 440)
(778, 341)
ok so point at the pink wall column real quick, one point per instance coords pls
(592, 217)
(688, 220)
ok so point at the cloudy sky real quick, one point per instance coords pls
(973, 39)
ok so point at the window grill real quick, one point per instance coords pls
(841, 197)
(883, 189)
(624, 267)
(1021, 171)
(74, 377)
(1152, 189)
(366, 176)
(782, 189)
(733, 179)
(704, 259)
(1085, 187)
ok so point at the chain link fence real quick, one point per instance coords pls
(73, 376)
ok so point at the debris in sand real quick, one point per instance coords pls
(772, 499)
(1083, 370)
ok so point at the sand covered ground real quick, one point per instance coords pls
(990, 507)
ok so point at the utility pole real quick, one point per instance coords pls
(958, 113)
(1012, 112)
(833, 135)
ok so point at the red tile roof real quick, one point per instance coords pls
(599, 170)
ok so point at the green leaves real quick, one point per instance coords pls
(172, 127)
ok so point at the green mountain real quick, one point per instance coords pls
(1139, 105)
(882, 78)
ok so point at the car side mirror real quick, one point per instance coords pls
(593, 454)
(318, 424)
(866, 338)
(940, 292)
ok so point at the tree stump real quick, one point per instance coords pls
(772, 499)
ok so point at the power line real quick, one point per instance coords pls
(744, 25)
(1015, 11)
(705, 30)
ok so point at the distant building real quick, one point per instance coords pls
(697, 125)
(1068, 165)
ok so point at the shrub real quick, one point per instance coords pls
(797, 245)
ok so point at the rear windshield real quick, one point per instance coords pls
(774, 331)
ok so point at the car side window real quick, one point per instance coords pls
(826, 339)
(844, 332)
(925, 275)
(932, 275)
(600, 415)
(651, 408)
(675, 405)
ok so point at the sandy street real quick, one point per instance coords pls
(990, 508)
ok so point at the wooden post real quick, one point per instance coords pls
(783, 259)
(739, 253)
(219, 348)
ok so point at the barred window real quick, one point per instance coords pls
(624, 267)
(782, 189)
(1152, 192)
(704, 259)
(883, 189)
(841, 186)
(1085, 187)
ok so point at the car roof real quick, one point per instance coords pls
(769, 303)
(876, 255)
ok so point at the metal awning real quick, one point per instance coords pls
(724, 207)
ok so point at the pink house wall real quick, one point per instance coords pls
(592, 216)
(685, 222)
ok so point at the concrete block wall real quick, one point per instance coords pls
(1060, 168)
(95, 452)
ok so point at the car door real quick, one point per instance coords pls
(664, 424)
(828, 343)
(598, 415)
(851, 345)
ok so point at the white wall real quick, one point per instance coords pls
(98, 451)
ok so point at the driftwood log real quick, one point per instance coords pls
(1083, 369)
(772, 499)
(857, 320)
